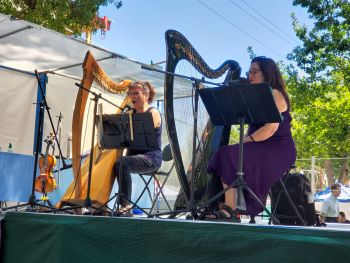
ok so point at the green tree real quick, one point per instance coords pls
(60, 15)
(321, 98)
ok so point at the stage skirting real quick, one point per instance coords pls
(31, 237)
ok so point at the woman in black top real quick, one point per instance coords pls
(141, 95)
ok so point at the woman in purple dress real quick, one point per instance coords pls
(268, 152)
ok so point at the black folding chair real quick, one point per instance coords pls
(158, 187)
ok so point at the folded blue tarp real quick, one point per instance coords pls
(324, 194)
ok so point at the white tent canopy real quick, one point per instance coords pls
(26, 47)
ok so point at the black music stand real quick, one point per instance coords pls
(241, 104)
(126, 131)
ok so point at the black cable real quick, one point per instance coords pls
(240, 29)
(256, 11)
(269, 28)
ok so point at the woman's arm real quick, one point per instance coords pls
(269, 129)
(157, 119)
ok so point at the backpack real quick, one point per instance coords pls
(299, 189)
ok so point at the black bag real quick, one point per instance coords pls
(299, 189)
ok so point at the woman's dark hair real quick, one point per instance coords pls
(272, 74)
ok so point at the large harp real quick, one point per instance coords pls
(103, 161)
(179, 48)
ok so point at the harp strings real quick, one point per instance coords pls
(102, 79)
(184, 113)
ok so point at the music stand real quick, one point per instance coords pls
(241, 104)
(132, 131)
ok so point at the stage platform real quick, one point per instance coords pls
(37, 237)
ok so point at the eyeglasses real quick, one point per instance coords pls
(253, 72)
(136, 93)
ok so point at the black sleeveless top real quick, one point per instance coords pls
(156, 154)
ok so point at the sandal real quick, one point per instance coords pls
(219, 215)
(125, 211)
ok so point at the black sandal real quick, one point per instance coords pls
(219, 215)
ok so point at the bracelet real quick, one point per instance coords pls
(251, 137)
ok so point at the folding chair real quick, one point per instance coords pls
(158, 186)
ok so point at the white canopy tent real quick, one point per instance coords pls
(26, 47)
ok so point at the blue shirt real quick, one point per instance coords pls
(330, 207)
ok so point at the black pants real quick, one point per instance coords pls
(132, 164)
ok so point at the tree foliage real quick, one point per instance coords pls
(60, 15)
(321, 97)
(326, 47)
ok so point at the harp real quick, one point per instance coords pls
(179, 48)
(103, 162)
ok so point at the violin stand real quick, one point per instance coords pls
(240, 104)
(34, 205)
(44, 200)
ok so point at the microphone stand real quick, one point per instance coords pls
(191, 205)
(58, 131)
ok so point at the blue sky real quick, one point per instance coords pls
(219, 29)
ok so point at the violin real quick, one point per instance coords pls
(46, 182)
